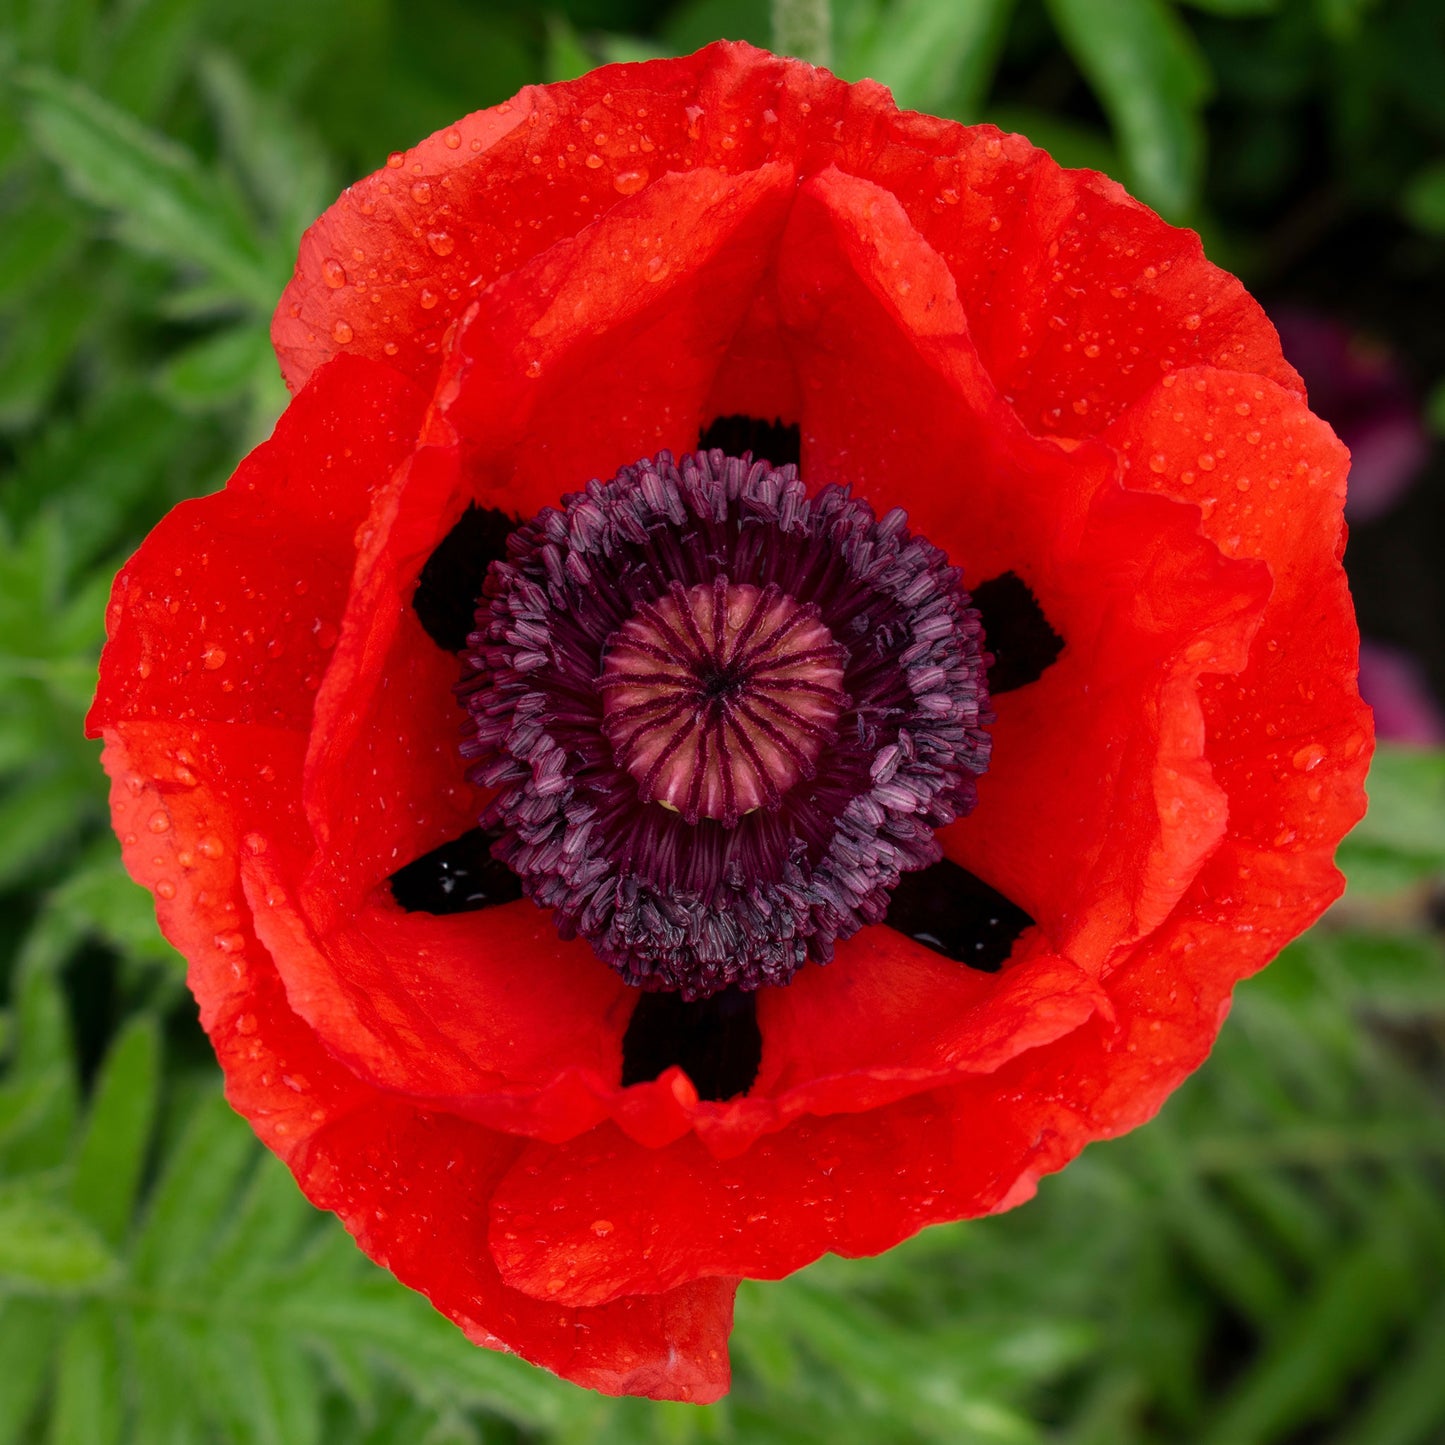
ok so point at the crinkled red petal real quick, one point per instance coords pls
(1048, 377)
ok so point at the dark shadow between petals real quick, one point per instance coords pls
(459, 877)
(715, 1041)
(953, 912)
(446, 593)
(1015, 631)
(777, 442)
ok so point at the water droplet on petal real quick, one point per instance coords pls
(333, 273)
(428, 299)
(534, 369)
(213, 657)
(452, 139)
(441, 242)
(342, 332)
(165, 889)
(159, 822)
(628, 183)
(1309, 757)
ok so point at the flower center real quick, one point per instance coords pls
(720, 717)
(718, 698)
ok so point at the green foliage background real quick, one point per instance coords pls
(1265, 1263)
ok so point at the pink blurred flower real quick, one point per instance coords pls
(1357, 386)
(1394, 685)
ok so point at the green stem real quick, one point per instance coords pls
(804, 28)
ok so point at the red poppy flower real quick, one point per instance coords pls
(790, 991)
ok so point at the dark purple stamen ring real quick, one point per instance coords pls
(722, 717)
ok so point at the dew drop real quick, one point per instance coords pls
(602, 1228)
(159, 822)
(342, 332)
(1309, 757)
(1192, 322)
(396, 160)
(428, 299)
(246, 1024)
(390, 348)
(421, 193)
(1158, 462)
(255, 844)
(213, 657)
(441, 242)
(628, 183)
(333, 273)
(452, 140)
(656, 269)
(165, 889)
(1206, 461)
(594, 162)
(694, 115)
(534, 369)
(230, 942)
(211, 846)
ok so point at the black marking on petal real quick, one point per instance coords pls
(715, 1041)
(1016, 631)
(776, 442)
(459, 877)
(447, 590)
(946, 908)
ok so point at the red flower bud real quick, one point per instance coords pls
(1116, 502)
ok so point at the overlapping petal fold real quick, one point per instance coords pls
(1055, 385)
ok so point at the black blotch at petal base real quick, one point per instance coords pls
(777, 442)
(948, 909)
(446, 593)
(715, 1041)
(1015, 631)
(459, 877)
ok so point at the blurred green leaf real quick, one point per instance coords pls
(1235, 9)
(934, 54)
(1401, 839)
(163, 201)
(27, 1338)
(1070, 144)
(566, 56)
(89, 1389)
(218, 369)
(1152, 80)
(111, 1150)
(690, 26)
(46, 1247)
(278, 157)
(1435, 408)
(1423, 200)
